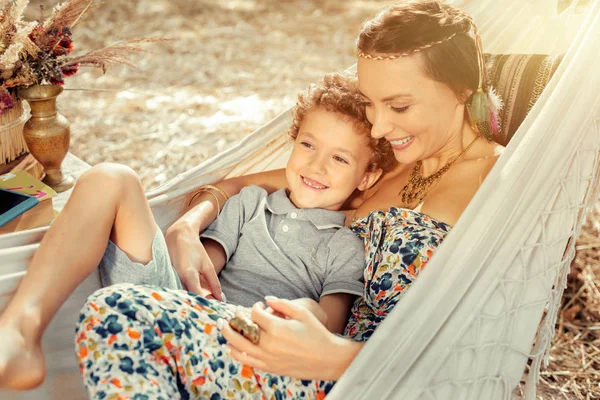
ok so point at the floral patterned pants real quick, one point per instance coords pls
(147, 343)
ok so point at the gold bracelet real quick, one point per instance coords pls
(217, 200)
(218, 190)
(201, 190)
(193, 196)
(210, 189)
(205, 189)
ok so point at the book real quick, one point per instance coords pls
(26, 163)
(41, 214)
(13, 204)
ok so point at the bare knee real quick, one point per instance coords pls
(110, 178)
(109, 171)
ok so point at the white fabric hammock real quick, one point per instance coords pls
(466, 328)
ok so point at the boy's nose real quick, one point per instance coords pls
(318, 165)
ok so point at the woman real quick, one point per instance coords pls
(419, 68)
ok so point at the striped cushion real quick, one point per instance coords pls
(519, 80)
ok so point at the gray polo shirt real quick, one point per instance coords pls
(274, 248)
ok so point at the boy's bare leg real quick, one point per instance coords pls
(108, 201)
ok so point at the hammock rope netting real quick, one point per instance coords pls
(484, 309)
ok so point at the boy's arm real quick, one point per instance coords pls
(216, 253)
(332, 311)
(337, 308)
(343, 281)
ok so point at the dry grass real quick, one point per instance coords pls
(236, 64)
(574, 370)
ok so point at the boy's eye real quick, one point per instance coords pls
(306, 144)
(340, 159)
(400, 109)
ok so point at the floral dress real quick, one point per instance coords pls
(144, 342)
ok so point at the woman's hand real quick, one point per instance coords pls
(296, 345)
(311, 306)
(190, 260)
(207, 294)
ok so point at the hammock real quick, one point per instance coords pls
(487, 302)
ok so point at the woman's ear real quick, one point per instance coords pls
(369, 178)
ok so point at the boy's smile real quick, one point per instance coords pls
(313, 184)
(328, 162)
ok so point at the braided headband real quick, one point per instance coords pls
(485, 105)
(481, 60)
(395, 56)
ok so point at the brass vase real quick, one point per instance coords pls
(47, 133)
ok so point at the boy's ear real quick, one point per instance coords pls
(369, 179)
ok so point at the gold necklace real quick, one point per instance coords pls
(417, 187)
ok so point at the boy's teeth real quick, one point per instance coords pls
(403, 141)
(313, 184)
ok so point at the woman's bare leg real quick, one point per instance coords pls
(107, 202)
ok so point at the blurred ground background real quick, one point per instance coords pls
(236, 65)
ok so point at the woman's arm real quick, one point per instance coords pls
(271, 181)
(297, 345)
(188, 256)
(202, 210)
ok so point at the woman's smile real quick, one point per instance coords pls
(401, 144)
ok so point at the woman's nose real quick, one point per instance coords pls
(381, 125)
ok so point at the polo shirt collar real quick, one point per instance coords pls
(279, 203)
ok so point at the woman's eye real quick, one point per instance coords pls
(400, 109)
(306, 144)
(340, 159)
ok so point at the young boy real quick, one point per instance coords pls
(293, 244)
(290, 244)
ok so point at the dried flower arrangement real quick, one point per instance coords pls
(39, 52)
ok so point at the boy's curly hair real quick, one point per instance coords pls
(338, 92)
